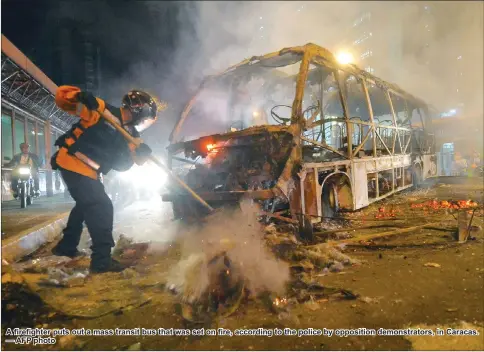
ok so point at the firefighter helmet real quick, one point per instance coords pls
(142, 107)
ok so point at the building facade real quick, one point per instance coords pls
(434, 49)
(29, 114)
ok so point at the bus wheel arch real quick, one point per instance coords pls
(336, 193)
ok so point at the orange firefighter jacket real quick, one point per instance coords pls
(66, 100)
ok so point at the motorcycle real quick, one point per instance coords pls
(25, 185)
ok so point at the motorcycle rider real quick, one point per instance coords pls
(93, 147)
(25, 158)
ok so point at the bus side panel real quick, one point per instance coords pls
(311, 194)
(360, 185)
(429, 166)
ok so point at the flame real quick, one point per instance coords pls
(384, 214)
(444, 204)
(210, 147)
(429, 205)
(279, 301)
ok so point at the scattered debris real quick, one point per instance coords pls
(336, 267)
(312, 305)
(122, 243)
(432, 265)
(67, 342)
(65, 277)
(367, 238)
(128, 252)
(40, 265)
(11, 278)
(271, 229)
(135, 347)
(370, 300)
(447, 342)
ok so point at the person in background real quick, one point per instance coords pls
(25, 158)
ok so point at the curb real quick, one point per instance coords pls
(28, 241)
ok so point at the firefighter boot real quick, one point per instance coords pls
(113, 266)
(101, 261)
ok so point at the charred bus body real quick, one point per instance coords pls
(299, 133)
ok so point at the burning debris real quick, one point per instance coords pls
(221, 261)
(226, 260)
(444, 204)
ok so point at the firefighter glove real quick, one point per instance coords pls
(88, 100)
(143, 151)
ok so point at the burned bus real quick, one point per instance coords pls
(302, 135)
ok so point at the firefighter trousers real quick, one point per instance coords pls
(93, 207)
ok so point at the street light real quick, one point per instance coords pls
(345, 58)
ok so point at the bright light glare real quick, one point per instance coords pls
(345, 58)
(24, 171)
(147, 176)
(256, 113)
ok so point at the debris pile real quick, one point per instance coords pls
(65, 277)
(222, 261)
(128, 252)
(40, 265)
(307, 264)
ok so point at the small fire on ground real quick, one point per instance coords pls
(444, 204)
(280, 301)
(429, 205)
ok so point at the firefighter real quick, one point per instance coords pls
(25, 158)
(93, 147)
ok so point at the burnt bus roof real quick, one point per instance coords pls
(318, 55)
(313, 53)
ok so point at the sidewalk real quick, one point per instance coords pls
(25, 230)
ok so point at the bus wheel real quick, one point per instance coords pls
(329, 200)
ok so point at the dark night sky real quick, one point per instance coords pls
(136, 40)
(21, 23)
(126, 31)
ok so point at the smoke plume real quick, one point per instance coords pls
(434, 50)
(240, 236)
